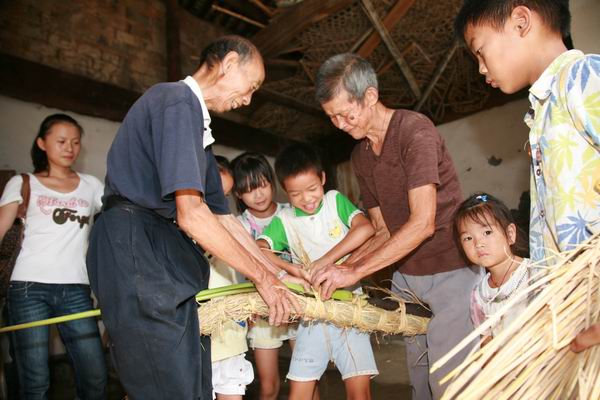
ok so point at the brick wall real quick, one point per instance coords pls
(117, 42)
(195, 34)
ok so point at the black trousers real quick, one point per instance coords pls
(145, 272)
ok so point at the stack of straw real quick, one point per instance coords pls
(356, 314)
(531, 359)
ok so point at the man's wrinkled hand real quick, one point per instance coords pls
(333, 277)
(278, 298)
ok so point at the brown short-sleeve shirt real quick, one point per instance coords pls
(413, 155)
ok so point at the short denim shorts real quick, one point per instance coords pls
(317, 343)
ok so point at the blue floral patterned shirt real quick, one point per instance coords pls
(564, 122)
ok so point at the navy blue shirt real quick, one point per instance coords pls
(158, 150)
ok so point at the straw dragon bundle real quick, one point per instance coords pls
(357, 314)
(531, 359)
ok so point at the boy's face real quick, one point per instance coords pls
(502, 55)
(305, 190)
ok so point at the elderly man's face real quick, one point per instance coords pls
(347, 114)
(238, 84)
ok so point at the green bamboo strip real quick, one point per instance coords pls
(50, 321)
(245, 285)
(201, 297)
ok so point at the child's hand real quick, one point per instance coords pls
(586, 338)
(333, 277)
(317, 265)
(300, 281)
(298, 271)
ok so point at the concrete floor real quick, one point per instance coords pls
(392, 382)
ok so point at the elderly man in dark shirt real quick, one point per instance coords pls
(163, 195)
(410, 189)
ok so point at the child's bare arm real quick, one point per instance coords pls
(382, 234)
(293, 269)
(361, 230)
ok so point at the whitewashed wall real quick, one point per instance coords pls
(499, 133)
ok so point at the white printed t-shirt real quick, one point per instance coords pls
(57, 227)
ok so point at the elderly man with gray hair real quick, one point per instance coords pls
(410, 189)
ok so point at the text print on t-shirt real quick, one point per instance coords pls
(64, 210)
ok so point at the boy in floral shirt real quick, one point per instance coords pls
(519, 43)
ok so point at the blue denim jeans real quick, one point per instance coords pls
(32, 301)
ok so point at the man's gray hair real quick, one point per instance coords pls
(344, 71)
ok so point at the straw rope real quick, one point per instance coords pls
(355, 314)
(530, 359)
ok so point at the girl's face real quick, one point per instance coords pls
(62, 144)
(486, 245)
(259, 200)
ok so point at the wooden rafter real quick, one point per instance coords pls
(237, 15)
(266, 9)
(398, 11)
(393, 49)
(361, 40)
(284, 27)
(289, 101)
(438, 73)
(307, 71)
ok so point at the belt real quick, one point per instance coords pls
(115, 200)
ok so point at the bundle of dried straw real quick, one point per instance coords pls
(356, 314)
(531, 359)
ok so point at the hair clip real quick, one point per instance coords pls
(482, 197)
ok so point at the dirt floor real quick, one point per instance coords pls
(392, 382)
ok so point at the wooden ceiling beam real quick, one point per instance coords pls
(398, 11)
(393, 49)
(246, 8)
(267, 10)
(355, 47)
(238, 16)
(37, 83)
(284, 27)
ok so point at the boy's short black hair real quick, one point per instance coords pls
(494, 13)
(296, 159)
(223, 165)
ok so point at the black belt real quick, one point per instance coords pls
(115, 200)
